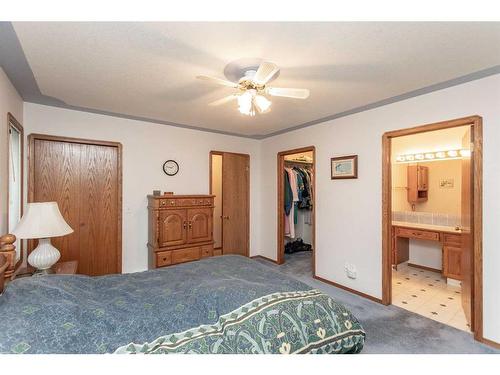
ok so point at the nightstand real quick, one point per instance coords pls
(60, 268)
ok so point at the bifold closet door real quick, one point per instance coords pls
(235, 203)
(84, 180)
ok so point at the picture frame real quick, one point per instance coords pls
(344, 167)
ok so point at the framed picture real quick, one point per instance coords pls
(344, 167)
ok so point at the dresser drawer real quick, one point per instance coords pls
(185, 255)
(163, 258)
(417, 233)
(452, 239)
(207, 251)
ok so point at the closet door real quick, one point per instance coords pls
(84, 178)
(235, 203)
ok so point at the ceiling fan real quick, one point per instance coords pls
(253, 90)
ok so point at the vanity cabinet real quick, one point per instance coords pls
(452, 256)
(180, 228)
(417, 183)
(451, 245)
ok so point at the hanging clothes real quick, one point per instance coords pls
(291, 218)
(297, 195)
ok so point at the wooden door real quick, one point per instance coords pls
(200, 223)
(467, 237)
(84, 178)
(172, 228)
(235, 203)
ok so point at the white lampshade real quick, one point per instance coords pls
(42, 220)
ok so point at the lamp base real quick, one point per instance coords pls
(44, 256)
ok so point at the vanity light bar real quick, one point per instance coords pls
(432, 156)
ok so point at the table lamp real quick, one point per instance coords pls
(42, 221)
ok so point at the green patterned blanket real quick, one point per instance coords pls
(285, 322)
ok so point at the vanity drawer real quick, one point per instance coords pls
(417, 233)
(207, 251)
(185, 255)
(452, 239)
(163, 258)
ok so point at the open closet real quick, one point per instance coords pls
(296, 197)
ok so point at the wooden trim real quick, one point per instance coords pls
(263, 257)
(425, 268)
(214, 152)
(31, 176)
(48, 137)
(477, 175)
(355, 174)
(491, 343)
(280, 251)
(12, 121)
(353, 291)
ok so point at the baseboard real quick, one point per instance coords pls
(263, 257)
(353, 291)
(425, 268)
(491, 343)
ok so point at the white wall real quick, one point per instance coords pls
(146, 146)
(10, 101)
(349, 211)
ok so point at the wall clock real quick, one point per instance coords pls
(170, 167)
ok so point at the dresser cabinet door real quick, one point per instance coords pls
(452, 262)
(200, 224)
(172, 228)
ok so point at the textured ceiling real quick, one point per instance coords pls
(148, 69)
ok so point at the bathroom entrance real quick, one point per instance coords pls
(432, 182)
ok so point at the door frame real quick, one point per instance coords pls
(216, 152)
(475, 122)
(280, 249)
(31, 177)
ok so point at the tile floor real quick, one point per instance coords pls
(427, 293)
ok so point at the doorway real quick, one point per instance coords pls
(296, 209)
(84, 178)
(230, 184)
(458, 238)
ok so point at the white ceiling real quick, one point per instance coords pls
(149, 69)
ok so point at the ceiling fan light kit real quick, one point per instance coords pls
(252, 89)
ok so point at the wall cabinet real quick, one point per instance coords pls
(180, 228)
(417, 183)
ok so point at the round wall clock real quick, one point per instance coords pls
(170, 167)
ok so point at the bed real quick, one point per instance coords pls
(225, 304)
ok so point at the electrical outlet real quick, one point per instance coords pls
(350, 270)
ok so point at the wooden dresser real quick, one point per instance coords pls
(180, 228)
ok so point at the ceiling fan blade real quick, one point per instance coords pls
(265, 72)
(218, 81)
(288, 93)
(224, 100)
